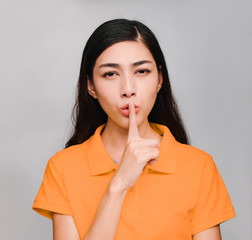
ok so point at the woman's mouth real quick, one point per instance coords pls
(125, 110)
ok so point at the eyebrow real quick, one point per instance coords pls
(116, 65)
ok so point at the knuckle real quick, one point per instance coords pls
(154, 142)
(136, 154)
(131, 146)
(156, 151)
(139, 156)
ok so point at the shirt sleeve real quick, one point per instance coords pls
(214, 205)
(52, 196)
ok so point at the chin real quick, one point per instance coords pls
(120, 122)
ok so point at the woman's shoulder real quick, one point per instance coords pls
(70, 155)
(193, 160)
(194, 154)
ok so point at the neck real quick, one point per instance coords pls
(115, 137)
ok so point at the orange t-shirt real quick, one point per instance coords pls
(178, 196)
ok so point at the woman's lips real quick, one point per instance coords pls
(125, 111)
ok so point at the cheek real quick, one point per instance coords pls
(106, 99)
(148, 90)
(104, 91)
(148, 98)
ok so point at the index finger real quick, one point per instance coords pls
(133, 131)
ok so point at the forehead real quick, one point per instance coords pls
(125, 53)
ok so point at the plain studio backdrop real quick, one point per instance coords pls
(207, 46)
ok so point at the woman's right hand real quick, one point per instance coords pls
(137, 154)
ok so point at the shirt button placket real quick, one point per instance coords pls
(134, 201)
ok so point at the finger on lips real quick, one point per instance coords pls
(133, 131)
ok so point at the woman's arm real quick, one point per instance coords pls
(64, 227)
(105, 221)
(213, 233)
(108, 213)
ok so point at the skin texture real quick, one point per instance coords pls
(213, 233)
(64, 227)
(121, 77)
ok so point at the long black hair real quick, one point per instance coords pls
(87, 113)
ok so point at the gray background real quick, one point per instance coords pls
(207, 45)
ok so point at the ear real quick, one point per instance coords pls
(91, 88)
(160, 79)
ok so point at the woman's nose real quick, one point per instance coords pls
(128, 87)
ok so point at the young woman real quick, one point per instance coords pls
(128, 171)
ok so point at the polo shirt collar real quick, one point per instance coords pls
(100, 161)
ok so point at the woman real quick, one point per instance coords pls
(128, 171)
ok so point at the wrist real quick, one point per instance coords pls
(116, 186)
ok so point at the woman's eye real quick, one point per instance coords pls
(143, 71)
(109, 74)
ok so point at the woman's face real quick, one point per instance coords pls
(125, 72)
